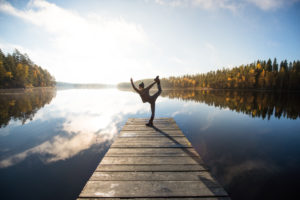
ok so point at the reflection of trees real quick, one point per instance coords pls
(23, 105)
(256, 104)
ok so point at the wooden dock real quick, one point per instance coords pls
(152, 163)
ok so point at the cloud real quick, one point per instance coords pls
(272, 4)
(101, 44)
(205, 4)
(232, 5)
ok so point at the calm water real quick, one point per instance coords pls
(51, 141)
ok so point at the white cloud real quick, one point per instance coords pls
(83, 46)
(271, 4)
(205, 4)
(232, 5)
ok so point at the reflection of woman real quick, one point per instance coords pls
(144, 93)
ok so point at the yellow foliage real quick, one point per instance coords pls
(8, 75)
(258, 66)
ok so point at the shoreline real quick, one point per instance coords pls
(212, 89)
(14, 90)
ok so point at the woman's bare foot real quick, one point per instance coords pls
(149, 124)
(157, 79)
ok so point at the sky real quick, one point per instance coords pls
(91, 41)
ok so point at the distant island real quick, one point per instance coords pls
(258, 75)
(18, 71)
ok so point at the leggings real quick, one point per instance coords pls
(152, 102)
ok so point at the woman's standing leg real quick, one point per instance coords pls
(152, 112)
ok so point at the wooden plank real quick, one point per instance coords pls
(153, 176)
(151, 189)
(152, 152)
(150, 144)
(143, 122)
(151, 168)
(168, 133)
(165, 142)
(184, 198)
(155, 123)
(179, 140)
(129, 135)
(156, 127)
(155, 119)
(150, 160)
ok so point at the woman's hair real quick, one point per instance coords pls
(141, 85)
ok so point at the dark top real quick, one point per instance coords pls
(144, 92)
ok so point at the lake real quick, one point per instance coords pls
(52, 140)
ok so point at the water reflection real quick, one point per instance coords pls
(88, 117)
(253, 103)
(23, 105)
(248, 156)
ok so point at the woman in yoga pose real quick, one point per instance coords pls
(144, 93)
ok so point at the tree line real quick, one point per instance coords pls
(261, 74)
(18, 71)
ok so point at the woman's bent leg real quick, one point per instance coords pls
(158, 92)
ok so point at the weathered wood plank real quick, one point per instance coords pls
(167, 133)
(148, 145)
(151, 135)
(155, 119)
(150, 160)
(153, 176)
(184, 198)
(157, 127)
(177, 142)
(152, 152)
(147, 120)
(151, 168)
(141, 123)
(151, 189)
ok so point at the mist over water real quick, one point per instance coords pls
(52, 140)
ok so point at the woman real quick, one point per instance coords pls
(144, 93)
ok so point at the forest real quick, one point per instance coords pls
(18, 71)
(260, 74)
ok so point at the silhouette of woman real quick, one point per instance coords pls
(144, 93)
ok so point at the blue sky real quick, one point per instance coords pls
(111, 41)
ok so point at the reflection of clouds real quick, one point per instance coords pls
(5, 131)
(91, 117)
(184, 109)
(249, 165)
(58, 148)
(209, 120)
